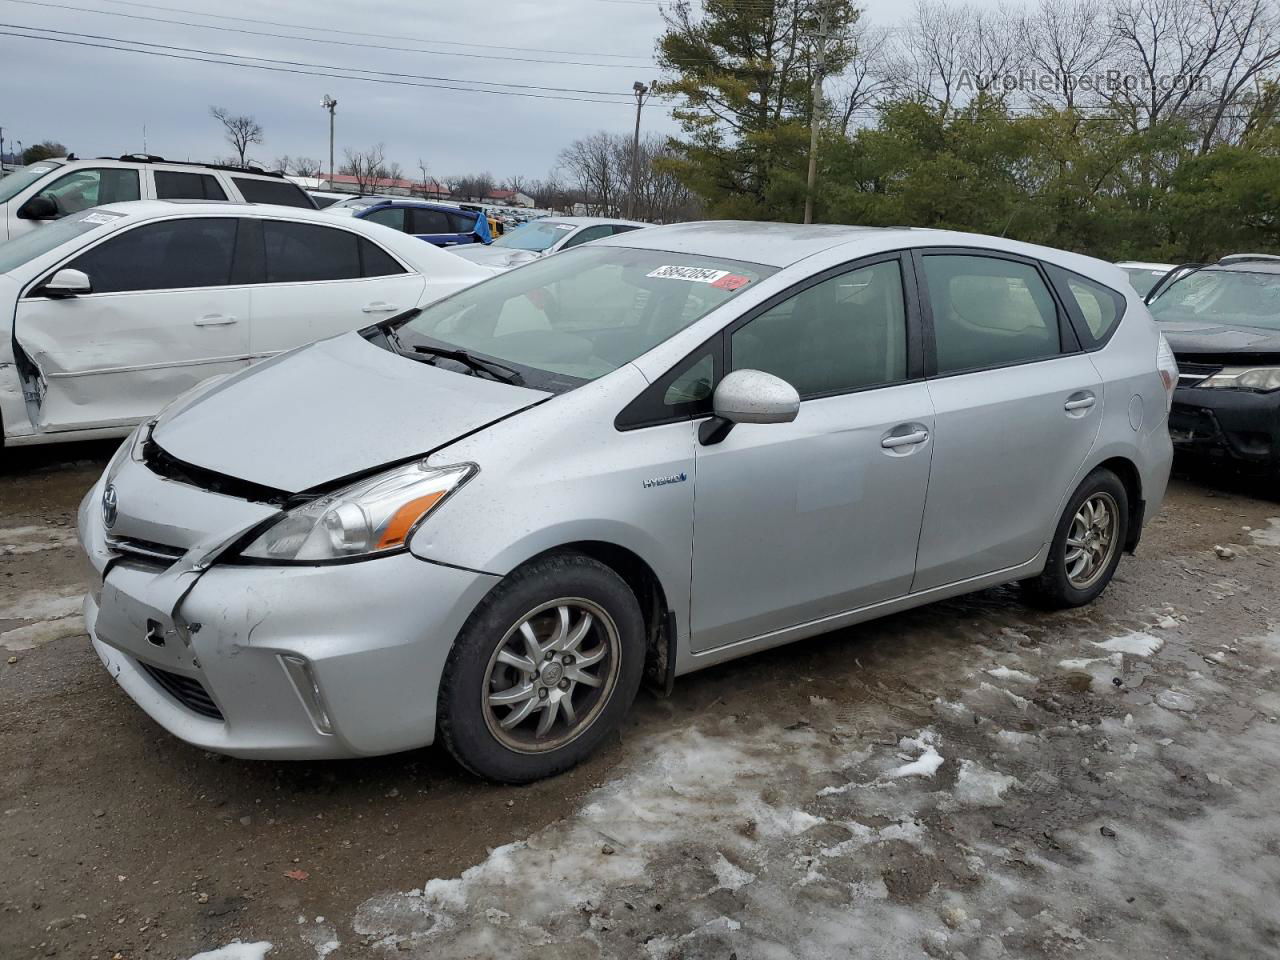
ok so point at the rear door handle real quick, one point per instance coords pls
(1080, 403)
(379, 306)
(905, 439)
(215, 320)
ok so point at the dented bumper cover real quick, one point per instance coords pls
(292, 662)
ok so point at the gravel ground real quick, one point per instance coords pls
(975, 779)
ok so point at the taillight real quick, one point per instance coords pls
(1168, 367)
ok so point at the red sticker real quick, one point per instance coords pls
(731, 282)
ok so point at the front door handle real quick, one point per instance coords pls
(905, 439)
(379, 306)
(1083, 402)
(215, 320)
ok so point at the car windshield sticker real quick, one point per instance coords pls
(101, 217)
(41, 169)
(732, 282)
(564, 226)
(692, 274)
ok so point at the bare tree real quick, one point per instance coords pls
(366, 166)
(391, 171)
(306, 167)
(284, 164)
(1068, 40)
(516, 184)
(867, 81)
(1252, 51)
(241, 131)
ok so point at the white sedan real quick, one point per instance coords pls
(118, 309)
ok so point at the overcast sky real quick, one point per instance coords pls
(97, 101)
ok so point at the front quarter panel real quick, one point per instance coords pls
(561, 473)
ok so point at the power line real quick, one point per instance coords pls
(314, 66)
(309, 73)
(341, 43)
(356, 33)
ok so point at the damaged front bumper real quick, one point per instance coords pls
(1239, 426)
(294, 662)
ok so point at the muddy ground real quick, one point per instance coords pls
(975, 779)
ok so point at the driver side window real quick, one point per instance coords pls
(843, 334)
(82, 189)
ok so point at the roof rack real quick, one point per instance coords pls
(152, 158)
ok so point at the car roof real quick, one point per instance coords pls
(1243, 266)
(593, 221)
(1143, 265)
(784, 244)
(184, 165)
(140, 209)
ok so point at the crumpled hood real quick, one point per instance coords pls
(1204, 337)
(329, 410)
(501, 257)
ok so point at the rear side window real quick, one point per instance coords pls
(1099, 307)
(376, 262)
(392, 217)
(623, 228)
(280, 192)
(305, 252)
(988, 312)
(169, 255)
(430, 221)
(462, 223)
(176, 185)
(587, 235)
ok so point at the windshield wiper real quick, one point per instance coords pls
(496, 370)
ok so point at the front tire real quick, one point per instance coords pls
(544, 669)
(1086, 546)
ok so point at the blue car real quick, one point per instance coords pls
(436, 223)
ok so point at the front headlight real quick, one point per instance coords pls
(1257, 379)
(373, 516)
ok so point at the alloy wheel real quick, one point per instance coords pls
(551, 675)
(1091, 541)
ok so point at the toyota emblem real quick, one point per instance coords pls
(109, 506)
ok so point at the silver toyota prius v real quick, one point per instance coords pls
(489, 520)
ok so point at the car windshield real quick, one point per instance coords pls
(535, 236)
(36, 243)
(23, 177)
(581, 315)
(1245, 297)
(1143, 279)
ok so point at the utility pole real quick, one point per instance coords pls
(331, 105)
(816, 112)
(641, 91)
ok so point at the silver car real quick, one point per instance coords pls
(542, 238)
(487, 521)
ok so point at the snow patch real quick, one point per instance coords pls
(1018, 676)
(1270, 537)
(236, 950)
(16, 541)
(41, 605)
(925, 765)
(730, 877)
(1134, 642)
(32, 635)
(977, 786)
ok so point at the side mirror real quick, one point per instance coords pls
(39, 207)
(749, 396)
(66, 283)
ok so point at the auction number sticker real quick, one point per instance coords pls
(101, 217)
(717, 278)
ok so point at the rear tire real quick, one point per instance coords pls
(545, 668)
(1086, 546)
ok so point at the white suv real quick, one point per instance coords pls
(51, 189)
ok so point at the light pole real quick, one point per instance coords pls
(331, 105)
(641, 92)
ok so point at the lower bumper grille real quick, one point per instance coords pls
(188, 692)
